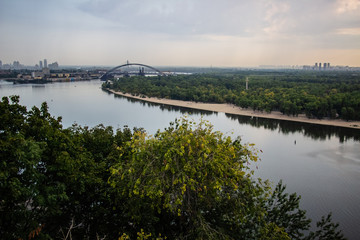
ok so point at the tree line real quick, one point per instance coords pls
(318, 95)
(186, 182)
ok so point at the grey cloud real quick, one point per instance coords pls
(225, 17)
(179, 17)
(308, 17)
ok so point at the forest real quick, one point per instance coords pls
(332, 95)
(185, 182)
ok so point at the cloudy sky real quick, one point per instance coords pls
(181, 32)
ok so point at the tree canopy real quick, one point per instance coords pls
(316, 94)
(186, 182)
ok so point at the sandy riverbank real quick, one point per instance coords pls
(231, 109)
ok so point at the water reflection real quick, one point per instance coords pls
(164, 107)
(343, 156)
(38, 87)
(314, 131)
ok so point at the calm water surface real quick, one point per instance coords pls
(320, 163)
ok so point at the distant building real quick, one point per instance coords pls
(326, 66)
(54, 65)
(45, 63)
(37, 75)
(0, 64)
(46, 71)
(40, 64)
(16, 65)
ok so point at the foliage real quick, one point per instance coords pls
(187, 182)
(183, 173)
(142, 236)
(316, 94)
(51, 176)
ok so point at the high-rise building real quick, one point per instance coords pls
(325, 66)
(319, 66)
(328, 65)
(54, 65)
(16, 65)
(0, 64)
(45, 63)
(40, 64)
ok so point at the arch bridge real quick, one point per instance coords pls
(141, 72)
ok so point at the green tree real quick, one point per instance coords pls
(51, 177)
(190, 182)
(187, 182)
(186, 179)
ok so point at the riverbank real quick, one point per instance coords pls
(232, 109)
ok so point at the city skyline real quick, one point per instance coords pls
(181, 33)
(16, 65)
(317, 66)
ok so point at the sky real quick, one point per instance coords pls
(219, 33)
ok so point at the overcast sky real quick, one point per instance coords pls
(181, 32)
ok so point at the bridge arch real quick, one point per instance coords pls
(106, 75)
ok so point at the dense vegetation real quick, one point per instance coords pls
(317, 94)
(186, 182)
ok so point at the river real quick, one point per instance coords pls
(321, 163)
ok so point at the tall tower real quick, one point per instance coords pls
(40, 64)
(319, 66)
(45, 63)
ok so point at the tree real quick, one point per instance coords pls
(52, 177)
(180, 181)
(316, 95)
(22, 189)
(190, 182)
(187, 182)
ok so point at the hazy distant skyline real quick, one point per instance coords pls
(228, 33)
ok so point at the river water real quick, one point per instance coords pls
(320, 163)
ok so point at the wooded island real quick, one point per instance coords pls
(331, 95)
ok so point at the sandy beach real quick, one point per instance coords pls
(232, 109)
